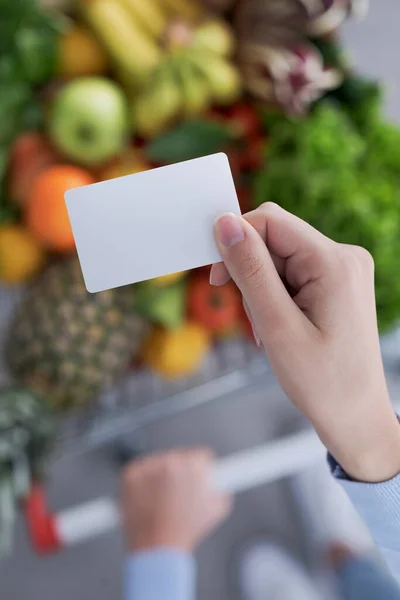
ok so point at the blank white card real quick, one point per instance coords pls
(152, 223)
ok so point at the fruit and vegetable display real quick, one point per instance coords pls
(91, 90)
(27, 435)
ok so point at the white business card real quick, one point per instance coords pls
(152, 223)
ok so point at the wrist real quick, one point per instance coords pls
(151, 540)
(370, 451)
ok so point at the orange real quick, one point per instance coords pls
(46, 213)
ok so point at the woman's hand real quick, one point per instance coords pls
(168, 500)
(312, 305)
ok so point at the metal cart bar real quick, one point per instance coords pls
(237, 473)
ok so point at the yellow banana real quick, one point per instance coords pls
(158, 105)
(216, 36)
(195, 90)
(131, 49)
(185, 9)
(149, 14)
(223, 78)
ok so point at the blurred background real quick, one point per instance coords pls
(303, 98)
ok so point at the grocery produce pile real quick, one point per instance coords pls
(96, 89)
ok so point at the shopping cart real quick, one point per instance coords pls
(141, 399)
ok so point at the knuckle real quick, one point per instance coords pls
(364, 257)
(355, 261)
(267, 207)
(252, 268)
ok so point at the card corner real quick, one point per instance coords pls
(222, 155)
(91, 290)
(67, 194)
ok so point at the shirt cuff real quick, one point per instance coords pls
(160, 574)
(377, 503)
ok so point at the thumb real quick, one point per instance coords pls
(251, 267)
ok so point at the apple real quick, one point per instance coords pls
(89, 120)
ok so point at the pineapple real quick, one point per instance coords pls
(68, 344)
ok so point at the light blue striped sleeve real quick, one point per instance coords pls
(160, 574)
(379, 506)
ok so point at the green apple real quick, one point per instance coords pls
(89, 120)
(162, 305)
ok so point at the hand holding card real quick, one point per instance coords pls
(150, 224)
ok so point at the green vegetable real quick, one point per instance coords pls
(162, 305)
(361, 99)
(343, 177)
(191, 139)
(27, 433)
(28, 54)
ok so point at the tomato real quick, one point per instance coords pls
(252, 158)
(216, 308)
(245, 117)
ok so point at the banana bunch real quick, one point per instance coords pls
(170, 55)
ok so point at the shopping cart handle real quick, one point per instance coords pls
(236, 473)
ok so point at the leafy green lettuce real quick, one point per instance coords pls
(28, 54)
(341, 173)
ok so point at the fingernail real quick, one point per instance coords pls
(215, 278)
(212, 276)
(229, 230)
(219, 275)
(257, 337)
